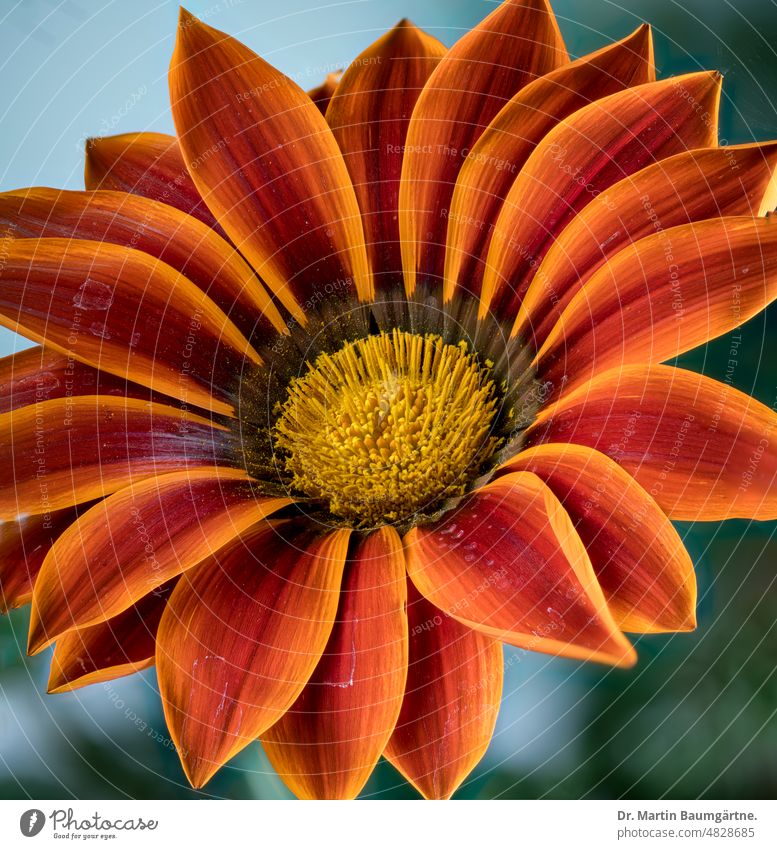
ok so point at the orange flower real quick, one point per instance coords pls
(289, 360)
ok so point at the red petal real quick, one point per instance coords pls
(583, 157)
(183, 242)
(688, 187)
(498, 155)
(509, 563)
(700, 448)
(69, 450)
(126, 313)
(326, 745)
(639, 559)
(24, 543)
(454, 686)
(122, 645)
(240, 638)
(145, 164)
(135, 540)
(662, 296)
(517, 42)
(40, 374)
(266, 162)
(369, 116)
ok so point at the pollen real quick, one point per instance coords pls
(388, 426)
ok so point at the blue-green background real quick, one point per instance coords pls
(697, 717)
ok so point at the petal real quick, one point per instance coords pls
(240, 638)
(639, 559)
(120, 646)
(184, 243)
(369, 116)
(265, 160)
(687, 187)
(326, 745)
(700, 448)
(662, 296)
(517, 42)
(583, 157)
(24, 543)
(454, 686)
(145, 164)
(40, 374)
(322, 94)
(509, 563)
(491, 166)
(135, 540)
(68, 450)
(126, 313)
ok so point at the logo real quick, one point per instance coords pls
(32, 822)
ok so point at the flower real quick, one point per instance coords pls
(327, 405)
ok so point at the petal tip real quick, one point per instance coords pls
(186, 18)
(189, 34)
(642, 35)
(56, 684)
(627, 660)
(198, 771)
(37, 639)
(430, 788)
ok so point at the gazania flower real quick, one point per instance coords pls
(327, 406)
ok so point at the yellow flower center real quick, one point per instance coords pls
(388, 426)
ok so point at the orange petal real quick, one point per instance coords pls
(583, 157)
(267, 164)
(68, 450)
(509, 563)
(184, 243)
(454, 686)
(240, 638)
(40, 374)
(322, 94)
(24, 543)
(120, 646)
(369, 116)
(326, 745)
(122, 311)
(135, 540)
(517, 42)
(639, 559)
(499, 154)
(687, 187)
(662, 296)
(145, 164)
(700, 448)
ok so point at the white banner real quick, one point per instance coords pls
(475, 825)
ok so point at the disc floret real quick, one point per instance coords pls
(388, 426)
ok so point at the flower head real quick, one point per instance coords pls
(335, 393)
